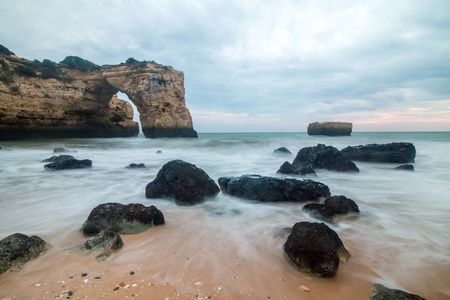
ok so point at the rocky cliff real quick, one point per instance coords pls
(75, 98)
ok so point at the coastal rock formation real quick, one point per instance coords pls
(69, 164)
(406, 167)
(273, 189)
(318, 157)
(381, 292)
(135, 166)
(315, 249)
(17, 249)
(182, 181)
(106, 242)
(58, 158)
(123, 219)
(282, 151)
(75, 98)
(386, 153)
(330, 128)
(332, 208)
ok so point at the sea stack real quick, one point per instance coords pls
(330, 128)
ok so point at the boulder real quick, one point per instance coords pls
(135, 166)
(61, 150)
(332, 208)
(318, 157)
(17, 249)
(59, 158)
(386, 153)
(381, 292)
(69, 164)
(406, 167)
(123, 219)
(273, 189)
(182, 181)
(315, 249)
(330, 128)
(106, 242)
(282, 151)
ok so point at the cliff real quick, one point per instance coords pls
(330, 128)
(75, 98)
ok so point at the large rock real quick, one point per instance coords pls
(315, 249)
(318, 157)
(332, 208)
(386, 153)
(381, 292)
(17, 249)
(182, 181)
(273, 189)
(69, 164)
(123, 219)
(330, 128)
(75, 98)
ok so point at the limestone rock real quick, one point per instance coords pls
(123, 219)
(315, 249)
(273, 189)
(330, 128)
(381, 292)
(182, 181)
(332, 208)
(386, 153)
(17, 249)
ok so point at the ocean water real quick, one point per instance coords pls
(401, 237)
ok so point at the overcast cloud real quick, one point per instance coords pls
(263, 65)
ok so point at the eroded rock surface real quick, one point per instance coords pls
(106, 242)
(381, 292)
(330, 128)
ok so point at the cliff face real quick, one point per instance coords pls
(79, 102)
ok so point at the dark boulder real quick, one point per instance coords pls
(182, 181)
(59, 158)
(123, 219)
(386, 153)
(282, 151)
(288, 168)
(330, 128)
(332, 208)
(406, 167)
(315, 249)
(61, 149)
(135, 166)
(17, 249)
(106, 242)
(273, 189)
(69, 164)
(381, 292)
(319, 157)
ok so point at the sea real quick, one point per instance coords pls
(401, 238)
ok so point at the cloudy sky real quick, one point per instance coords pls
(263, 65)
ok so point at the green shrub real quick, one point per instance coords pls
(50, 70)
(4, 65)
(78, 63)
(26, 71)
(131, 60)
(7, 77)
(5, 51)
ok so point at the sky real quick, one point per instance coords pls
(263, 66)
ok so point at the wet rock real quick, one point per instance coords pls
(69, 164)
(381, 292)
(123, 219)
(106, 242)
(332, 208)
(59, 158)
(315, 249)
(406, 167)
(319, 157)
(386, 153)
(135, 166)
(182, 181)
(159, 152)
(330, 128)
(282, 151)
(17, 249)
(273, 189)
(61, 149)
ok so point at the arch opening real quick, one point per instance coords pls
(136, 114)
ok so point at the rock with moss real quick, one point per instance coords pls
(381, 292)
(105, 243)
(123, 219)
(17, 249)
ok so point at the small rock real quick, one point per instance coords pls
(305, 288)
(37, 284)
(132, 273)
(381, 292)
(116, 289)
(282, 150)
(135, 166)
(84, 274)
(61, 149)
(98, 278)
(159, 152)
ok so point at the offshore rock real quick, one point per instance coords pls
(282, 151)
(273, 189)
(123, 219)
(381, 292)
(332, 208)
(318, 157)
(69, 164)
(330, 128)
(315, 249)
(58, 158)
(182, 181)
(135, 166)
(17, 249)
(385, 153)
(406, 167)
(68, 100)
